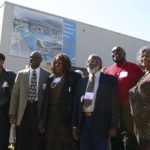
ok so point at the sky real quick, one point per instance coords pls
(130, 17)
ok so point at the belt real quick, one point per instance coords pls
(87, 114)
(32, 102)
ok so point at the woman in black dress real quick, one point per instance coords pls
(56, 112)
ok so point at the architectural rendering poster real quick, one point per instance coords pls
(36, 31)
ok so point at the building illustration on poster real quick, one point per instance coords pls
(36, 31)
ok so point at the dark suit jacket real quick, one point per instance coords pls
(9, 77)
(66, 98)
(105, 115)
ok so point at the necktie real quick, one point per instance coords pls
(32, 90)
(90, 88)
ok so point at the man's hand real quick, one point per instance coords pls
(13, 119)
(75, 133)
(41, 127)
(112, 132)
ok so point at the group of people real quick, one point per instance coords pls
(62, 110)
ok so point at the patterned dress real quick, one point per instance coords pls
(140, 110)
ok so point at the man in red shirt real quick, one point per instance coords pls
(127, 74)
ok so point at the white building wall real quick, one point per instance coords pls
(1, 18)
(89, 39)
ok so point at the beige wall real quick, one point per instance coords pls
(1, 18)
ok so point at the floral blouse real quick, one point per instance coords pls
(140, 110)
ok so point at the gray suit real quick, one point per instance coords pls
(20, 93)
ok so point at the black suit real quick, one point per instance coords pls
(105, 115)
(9, 77)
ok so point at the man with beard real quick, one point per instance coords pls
(127, 74)
(95, 114)
(26, 103)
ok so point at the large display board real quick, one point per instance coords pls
(37, 31)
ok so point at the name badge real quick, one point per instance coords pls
(44, 86)
(89, 95)
(5, 84)
(56, 80)
(123, 74)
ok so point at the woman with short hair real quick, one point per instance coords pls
(140, 102)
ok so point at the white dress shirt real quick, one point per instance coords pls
(91, 107)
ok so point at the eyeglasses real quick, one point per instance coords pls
(58, 63)
(34, 57)
(92, 61)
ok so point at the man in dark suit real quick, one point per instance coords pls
(95, 115)
(6, 83)
(25, 104)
